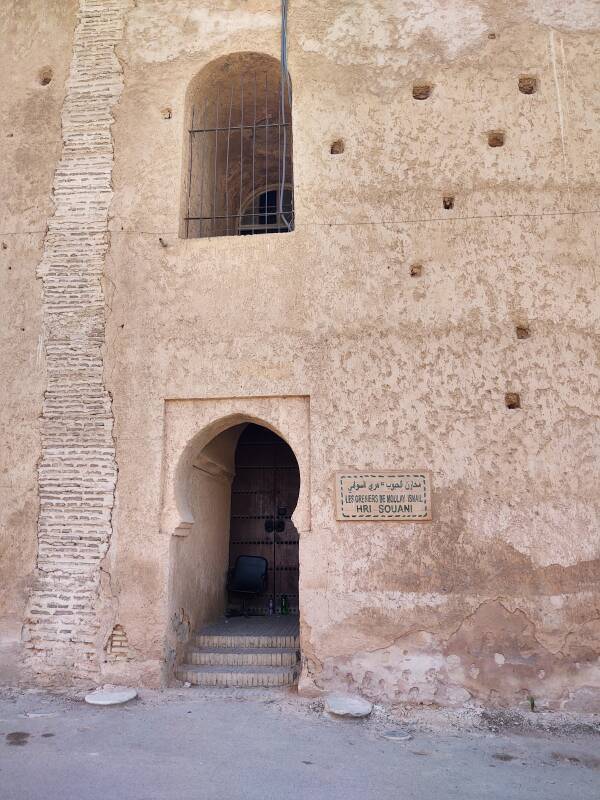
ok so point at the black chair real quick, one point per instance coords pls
(249, 576)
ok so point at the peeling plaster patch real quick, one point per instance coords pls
(499, 659)
(537, 531)
(419, 674)
(164, 31)
(457, 695)
(580, 15)
(349, 603)
(382, 34)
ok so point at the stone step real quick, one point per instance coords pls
(243, 656)
(242, 641)
(237, 676)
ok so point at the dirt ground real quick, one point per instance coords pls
(267, 744)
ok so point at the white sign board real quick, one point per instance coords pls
(383, 495)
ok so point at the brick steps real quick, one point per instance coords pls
(255, 651)
(243, 656)
(212, 640)
(239, 676)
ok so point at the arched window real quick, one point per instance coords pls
(239, 176)
(268, 212)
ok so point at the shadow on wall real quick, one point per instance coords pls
(200, 557)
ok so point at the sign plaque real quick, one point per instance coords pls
(383, 495)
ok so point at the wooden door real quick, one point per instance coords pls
(264, 494)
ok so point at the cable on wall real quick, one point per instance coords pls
(286, 89)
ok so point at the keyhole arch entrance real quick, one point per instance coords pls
(199, 479)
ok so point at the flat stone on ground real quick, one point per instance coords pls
(397, 736)
(110, 696)
(348, 705)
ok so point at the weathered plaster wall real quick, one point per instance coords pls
(31, 143)
(401, 370)
(498, 598)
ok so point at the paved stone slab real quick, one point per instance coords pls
(112, 696)
(348, 705)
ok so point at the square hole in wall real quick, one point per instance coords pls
(512, 400)
(421, 91)
(45, 76)
(528, 84)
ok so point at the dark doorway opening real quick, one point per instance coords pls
(264, 495)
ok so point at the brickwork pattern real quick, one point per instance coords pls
(117, 647)
(242, 657)
(238, 677)
(254, 651)
(77, 470)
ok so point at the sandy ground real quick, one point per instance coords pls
(251, 744)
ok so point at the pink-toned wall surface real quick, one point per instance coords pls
(497, 598)
(31, 146)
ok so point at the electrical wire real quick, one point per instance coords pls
(285, 91)
(358, 222)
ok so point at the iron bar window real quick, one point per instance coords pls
(240, 170)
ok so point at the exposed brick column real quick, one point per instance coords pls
(77, 470)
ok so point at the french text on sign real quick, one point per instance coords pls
(383, 495)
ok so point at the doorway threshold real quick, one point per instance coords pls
(244, 651)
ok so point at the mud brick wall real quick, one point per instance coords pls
(78, 470)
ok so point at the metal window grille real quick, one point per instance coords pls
(240, 178)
